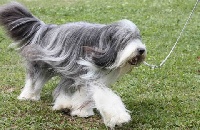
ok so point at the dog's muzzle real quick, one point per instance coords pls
(139, 58)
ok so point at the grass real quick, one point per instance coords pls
(165, 98)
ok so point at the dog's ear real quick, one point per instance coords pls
(92, 51)
(101, 58)
(106, 59)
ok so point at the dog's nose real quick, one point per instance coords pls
(141, 51)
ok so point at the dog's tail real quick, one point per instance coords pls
(20, 24)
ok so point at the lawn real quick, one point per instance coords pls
(163, 98)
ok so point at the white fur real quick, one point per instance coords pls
(127, 53)
(79, 102)
(28, 91)
(62, 101)
(94, 95)
(109, 105)
(82, 103)
(32, 88)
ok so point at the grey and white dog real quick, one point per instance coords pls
(88, 58)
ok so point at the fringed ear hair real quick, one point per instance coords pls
(101, 58)
(91, 51)
(98, 56)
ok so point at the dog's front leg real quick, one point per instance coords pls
(109, 105)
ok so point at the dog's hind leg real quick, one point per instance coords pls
(62, 95)
(82, 103)
(28, 89)
(36, 77)
(76, 98)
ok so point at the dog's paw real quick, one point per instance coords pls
(62, 102)
(57, 107)
(82, 112)
(113, 119)
(29, 96)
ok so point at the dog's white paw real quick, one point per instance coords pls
(62, 102)
(113, 119)
(60, 106)
(28, 96)
(57, 107)
(82, 112)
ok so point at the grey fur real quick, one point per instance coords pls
(60, 46)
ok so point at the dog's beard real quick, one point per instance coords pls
(137, 60)
(134, 53)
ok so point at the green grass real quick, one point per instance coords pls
(165, 98)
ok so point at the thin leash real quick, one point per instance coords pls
(162, 63)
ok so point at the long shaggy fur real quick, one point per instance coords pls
(86, 56)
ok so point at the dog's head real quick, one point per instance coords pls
(134, 54)
(120, 43)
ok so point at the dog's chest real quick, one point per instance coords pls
(113, 76)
